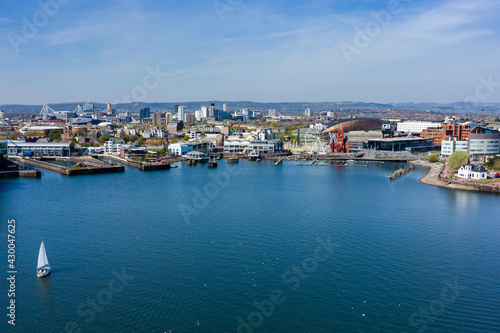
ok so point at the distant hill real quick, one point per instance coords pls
(284, 107)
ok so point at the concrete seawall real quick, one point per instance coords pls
(432, 178)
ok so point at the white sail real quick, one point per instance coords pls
(42, 257)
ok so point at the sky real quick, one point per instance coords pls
(56, 51)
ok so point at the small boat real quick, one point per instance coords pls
(43, 267)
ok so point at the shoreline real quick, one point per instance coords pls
(432, 178)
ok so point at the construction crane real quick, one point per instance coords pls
(28, 153)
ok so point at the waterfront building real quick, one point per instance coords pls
(42, 149)
(469, 171)
(266, 147)
(182, 148)
(235, 146)
(242, 146)
(415, 126)
(408, 143)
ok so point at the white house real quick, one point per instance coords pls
(469, 171)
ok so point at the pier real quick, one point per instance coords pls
(82, 166)
(163, 164)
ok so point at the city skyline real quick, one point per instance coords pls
(285, 51)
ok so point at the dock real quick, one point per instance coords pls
(143, 166)
(83, 166)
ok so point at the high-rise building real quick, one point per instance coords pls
(272, 112)
(157, 119)
(198, 115)
(211, 110)
(179, 111)
(189, 118)
(145, 113)
(224, 107)
(168, 118)
(204, 111)
(308, 112)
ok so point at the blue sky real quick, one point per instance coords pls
(264, 51)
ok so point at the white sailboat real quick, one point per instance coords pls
(43, 267)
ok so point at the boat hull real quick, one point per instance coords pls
(44, 271)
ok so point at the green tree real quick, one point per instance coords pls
(141, 141)
(14, 135)
(95, 145)
(457, 159)
(56, 137)
(159, 142)
(73, 140)
(186, 137)
(81, 132)
(173, 141)
(103, 138)
(162, 151)
(126, 138)
(432, 158)
(493, 163)
(86, 145)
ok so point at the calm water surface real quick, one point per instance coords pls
(252, 248)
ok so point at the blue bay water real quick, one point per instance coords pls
(194, 249)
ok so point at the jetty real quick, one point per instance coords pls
(80, 165)
(401, 172)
